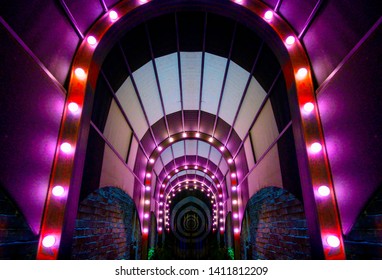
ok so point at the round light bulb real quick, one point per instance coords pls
(323, 191)
(80, 73)
(148, 175)
(197, 134)
(58, 191)
(113, 15)
(234, 202)
(92, 40)
(147, 202)
(308, 107)
(66, 147)
(184, 134)
(236, 230)
(210, 139)
(315, 147)
(268, 15)
(145, 230)
(146, 216)
(73, 107)
(148, 188)
(48, 241)
(160, 148)
(333, 241)
(171, 139)
(234, 188)
(301, 73)
(290, 40)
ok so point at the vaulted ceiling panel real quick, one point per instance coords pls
(130, 104)
(212, 82)
(191, 63)
(215, 156)
(236, 80)
(251, 104)
(223, 167)
(178, 149)
(166, 156)
(249, 153)
(203, 149)
(148, 90)
(158, 166)
(167, 67)
(191, 147)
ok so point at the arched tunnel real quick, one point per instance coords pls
(190, 129)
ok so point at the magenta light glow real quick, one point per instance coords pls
(163, 185)
(80, 73)
(92, 40)
(148, 188)
(268, 15)
(58, 191)
(168, 176)
(73, 107)
(186, 167)
(161, 203)
(195, 167)
(220, 195)
(235, 216)
(148, 175)
(184, 134)
(308, 107)
(301, 73)
(230, 160)
(160, 229)
(176, 170)
(160, 148)
(152, 160)
(48, 241)
(222, 148)
(145, 230)
(221, 212)
(315, 147)
(146, 216)
(236, 230)
(147, 202)
(234, 202)
(113, 15)
(234, 188)
(205, 170)
(66, 147)
(290, 40)
(221, 228)
(233, 175)
(333, 241)
(323, 191)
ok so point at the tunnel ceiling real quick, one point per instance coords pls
(188, 72)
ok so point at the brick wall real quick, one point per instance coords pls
(274, 227)
(365, 239)
(16, 239)
(107, 227)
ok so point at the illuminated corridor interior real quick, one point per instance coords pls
(190, 129)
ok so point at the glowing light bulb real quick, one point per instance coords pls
(152, 160)
(236, 230)
(148, 188)
(205, 170)
(290, 40)
(221, 212)
(268, 15)
(186, 167)
(160, 229)
(171, 139)
(222, 148)
(168, 176)
(323, 191)
(92, 40)
(220, 203)
(146, 216)
(161, 196)
(221, 228)
(147, 202)
(197, 134)
(160, 148)
(48, 241)
(161, 203)
(73, 107)
(210, 139)
(333, 241)
(308, 107)
(195, 167)
(66, 147)
(184, 134)
(58, 191)
(235, 216)
(221, 220)
(315, 147)
(234, 202)
(301, 73)
(160, 220)
(148, 175)
(145, 230)
(233, 175)
(176, 170)
(234, 188)
(80, 73)
(220, 195)
(113, 15)
(230, 160)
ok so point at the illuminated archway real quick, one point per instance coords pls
(306, 125)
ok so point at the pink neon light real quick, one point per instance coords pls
(220, 203)
(161, 203)
(73, 107)
(301, 73)
(221, 212)
(290, 40)
(333, 241)
(48, 241)
(92, 40)
(163, 185)
(213, 176)
(268, 15)
(66, 147)
(160, 229)
(113, 15)
(80, 73)
(220, 195)
(323, 191)
(315, 147)
(221, 220)
(58, 191)
(308, 107)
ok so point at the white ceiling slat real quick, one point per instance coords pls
(191, 147)
(158, 166)
(251, 104)
(203, 149)
(148, 90)
(133, 110)
(234, 88)
(133, 153)
(215, 156)
(265, 130)
(168, 73)
(117, 131)
(166, 156)
(249, 153)
(191, 63)
(178, 149)
(214, 68)
(223, 166)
